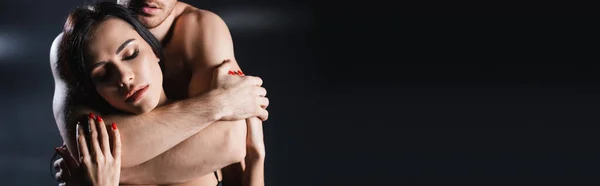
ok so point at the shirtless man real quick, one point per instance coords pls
(205, 130)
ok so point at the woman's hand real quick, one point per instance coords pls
(101, 158)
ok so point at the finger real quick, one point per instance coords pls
(95, 148)
(58, 176)
(83, 148)
(261, 91)
(77, 133)
(64, 170)
(57, 163)
(253, 80)
(263, 114)
(61, 164)
(67, 159)
(224, 68)
(263, 102)
(235, 72)
(104, 143)
(220, 71)
(116, 142)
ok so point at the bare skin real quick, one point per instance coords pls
(201, 40)
(100, 162)
(102, 159)
(190, 146)
(101, 170)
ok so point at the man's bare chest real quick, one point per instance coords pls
(176, 73)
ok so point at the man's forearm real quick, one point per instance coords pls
(218, 145)
(149, 135)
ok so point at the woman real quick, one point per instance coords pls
(113, 61)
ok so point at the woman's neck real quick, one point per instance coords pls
(163, 99)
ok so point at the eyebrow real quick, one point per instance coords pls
(123, 45)
(95, 65)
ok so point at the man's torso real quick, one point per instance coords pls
(177, 74)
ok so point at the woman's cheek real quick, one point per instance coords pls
(108, 95)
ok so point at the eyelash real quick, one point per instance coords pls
(100, 78)
(132, 56)
(104, 77)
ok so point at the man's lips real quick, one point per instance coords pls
(151, 5)
(150, 8)
(144, 8)
(136, 94)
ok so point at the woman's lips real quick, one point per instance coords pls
(137, 95)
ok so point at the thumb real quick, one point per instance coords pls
(69, 160)
(221, 70)
(224, 68)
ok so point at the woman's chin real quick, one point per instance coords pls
(141, 107)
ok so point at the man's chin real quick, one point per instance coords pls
(149, 21)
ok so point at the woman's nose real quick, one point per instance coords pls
(124, 75)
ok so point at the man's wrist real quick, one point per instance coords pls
(217, 111)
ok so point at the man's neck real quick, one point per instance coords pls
(162, 30)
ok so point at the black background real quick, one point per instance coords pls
(367, 93)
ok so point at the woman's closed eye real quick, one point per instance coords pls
(100, 75)
(100, 72)
(132, 56)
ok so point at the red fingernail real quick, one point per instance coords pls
(99, 119)
(240, 73)
(114, 126)
(230, 72)
(92, 115)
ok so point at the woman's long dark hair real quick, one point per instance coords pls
(71, 55)
(76, 33)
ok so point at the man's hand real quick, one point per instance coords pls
(68, 170)
(241, 96)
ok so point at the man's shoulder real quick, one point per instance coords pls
(196, 18)
(200, 31)
(54, 49)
